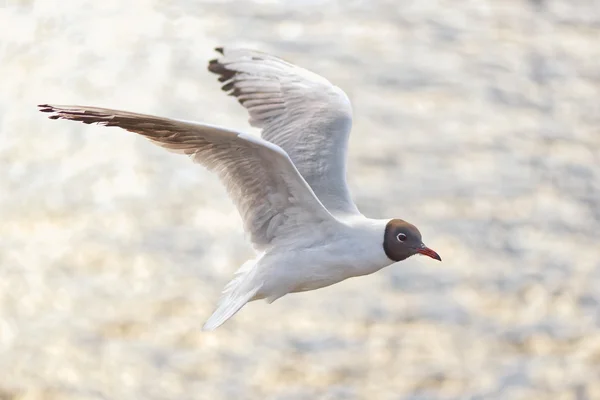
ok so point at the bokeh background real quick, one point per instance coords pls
(479, 121)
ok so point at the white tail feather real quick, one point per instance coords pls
(236, 294)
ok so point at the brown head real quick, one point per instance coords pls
(402, 240)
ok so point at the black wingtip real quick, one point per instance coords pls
(219, 50)
(45, 108)
(213, 65)
(225, 74)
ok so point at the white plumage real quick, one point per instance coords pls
(299, 111)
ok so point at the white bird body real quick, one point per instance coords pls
(289, 185)
(323, 258)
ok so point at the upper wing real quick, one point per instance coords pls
(271, 196)
(299, 111)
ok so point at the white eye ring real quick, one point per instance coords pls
(401, 237)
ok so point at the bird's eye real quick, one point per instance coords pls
(401, 237)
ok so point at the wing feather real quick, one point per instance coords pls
(271, 196)
(300, 111)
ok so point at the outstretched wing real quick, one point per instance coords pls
(299, 111)
(271, 196)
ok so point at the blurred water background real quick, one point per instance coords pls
(476, 120)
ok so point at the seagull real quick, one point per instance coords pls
(289, 184)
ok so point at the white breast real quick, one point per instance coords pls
(354, 251)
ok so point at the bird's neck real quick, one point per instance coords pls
(365, 245)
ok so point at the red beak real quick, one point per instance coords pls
(430, 253)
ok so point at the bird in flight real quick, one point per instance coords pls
(289, 185)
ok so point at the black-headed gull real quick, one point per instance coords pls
(289, 185)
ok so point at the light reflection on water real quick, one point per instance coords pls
(476, 122)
